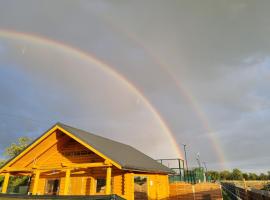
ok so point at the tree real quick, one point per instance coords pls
(237, 175)
(225, 175)
(13, 150)
(214, 175)
(245, 176)
(263, 176)
(1, 180)
(1, 177)
(16, 148)
(252, 176)
(2, 162)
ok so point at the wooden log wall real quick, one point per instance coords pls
(200, 191)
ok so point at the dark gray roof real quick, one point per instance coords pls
(126, 156)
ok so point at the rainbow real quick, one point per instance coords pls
(186, 94)
(193, 103)
(46, 42)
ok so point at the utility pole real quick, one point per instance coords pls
(185, 155)
(204, 163)
(198, 160)
(205, 174)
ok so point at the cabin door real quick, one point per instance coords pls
(140, 188)
(52, 187)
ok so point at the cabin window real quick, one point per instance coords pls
(52, 187)
(101, 185)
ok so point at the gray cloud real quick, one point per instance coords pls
(217, 50)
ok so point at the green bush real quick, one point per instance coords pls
(266, 187)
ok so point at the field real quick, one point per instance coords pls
(250, 184)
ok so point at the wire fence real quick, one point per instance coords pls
(193, 176)
(239, 193)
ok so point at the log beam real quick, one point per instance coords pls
(5, 184)
(36, 180)
(87, 165)
(108, 180)
(67, 181)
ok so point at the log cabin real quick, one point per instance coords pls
(69, 161)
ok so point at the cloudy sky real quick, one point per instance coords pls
(146, 73)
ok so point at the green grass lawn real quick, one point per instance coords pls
(225, 195)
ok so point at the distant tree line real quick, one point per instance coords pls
(237, 174)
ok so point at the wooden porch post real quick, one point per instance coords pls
(5, 184)
(35, 187)
(108, 180)
(92, 186)
(67, 181)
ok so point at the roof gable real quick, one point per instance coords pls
(120, 155)
(128, 157)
